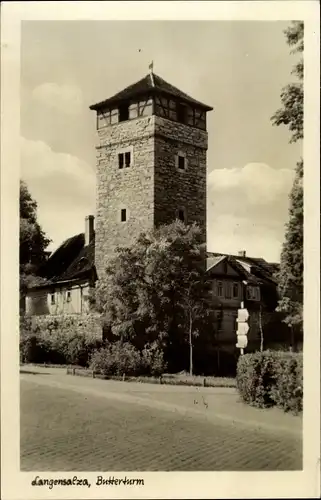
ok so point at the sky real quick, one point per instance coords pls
(237, 67)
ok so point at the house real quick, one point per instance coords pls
(67, 274)
(250, 282)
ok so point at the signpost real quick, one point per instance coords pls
(242, 327)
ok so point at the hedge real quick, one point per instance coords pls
(122, 358)
(54, 345)
(271, 378)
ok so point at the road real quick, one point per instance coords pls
(84, 424)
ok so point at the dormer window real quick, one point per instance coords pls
(123, 112)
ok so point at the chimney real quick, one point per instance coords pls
(242, 253)
(89, 229)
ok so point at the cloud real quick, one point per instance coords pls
(66, 98)
(63, 186)
(258, 182)
(247, 209)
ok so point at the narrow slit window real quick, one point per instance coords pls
(181, 215)
(121, 160)
(68, 296)
(52, 299)
(127, 159)
(181, 162)
(123, 215)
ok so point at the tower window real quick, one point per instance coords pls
(181, 111)
(181, 214)
(68, 296)
(181, 162)
(121, 160)
(123, 111)
(127, 159)
(52, 299)
(123, 215)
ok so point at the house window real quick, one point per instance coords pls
(181, 111)
(123, 215)
(235, 290)
(253, 293)
(68, 296)
(52, 299)
(228, 292)
(181, 214)
(123, 111)
(219, 288)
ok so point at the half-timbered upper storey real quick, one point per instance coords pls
(151, 96)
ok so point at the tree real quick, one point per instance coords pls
(156, 291)
(291, 112)
(33, 240)
(291, 269)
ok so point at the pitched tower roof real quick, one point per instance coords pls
(151, 84)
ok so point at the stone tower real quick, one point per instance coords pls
(151, 163)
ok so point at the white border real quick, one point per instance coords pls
(16, 485)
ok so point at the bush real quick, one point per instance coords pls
(117, 359)
(271, 379)
(123, 358)
(153, 361)
(56, 343)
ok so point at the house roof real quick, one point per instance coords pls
(150, 84)
(71, 261)
(254, 270)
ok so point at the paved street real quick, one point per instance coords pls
(77, 423)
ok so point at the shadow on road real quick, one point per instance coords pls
(28, 372)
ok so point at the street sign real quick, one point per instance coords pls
(241, 341)
(242, 315)
(242, 329)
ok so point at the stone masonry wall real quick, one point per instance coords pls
(174, 188)
(129, 188)
(152, 189)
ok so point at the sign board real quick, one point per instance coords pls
(242, 329)
(241, 341)
(242, 315)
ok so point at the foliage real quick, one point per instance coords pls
(153, 360)
(271, 378)
(291, 113)
(118, 358)
(33, 240)
(290, 276)
(56, 342)
(156, 291)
